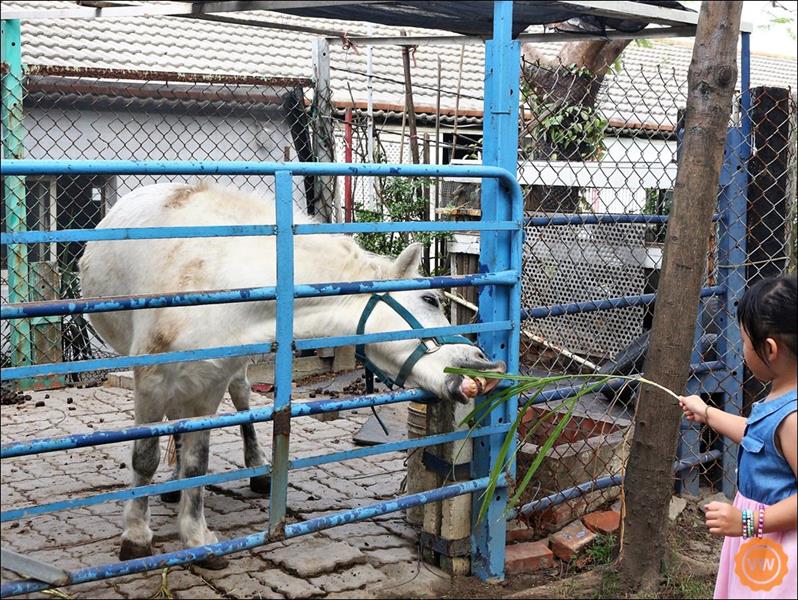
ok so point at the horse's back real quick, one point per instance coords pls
(130, 267)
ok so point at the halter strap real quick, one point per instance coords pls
(425, 345)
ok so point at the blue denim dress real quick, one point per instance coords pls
(763, 474)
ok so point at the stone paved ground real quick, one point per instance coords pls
(376, 558)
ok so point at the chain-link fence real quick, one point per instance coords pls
(104, 114)
(597, 195)
(597, 162)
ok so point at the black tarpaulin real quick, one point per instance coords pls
(469, 17)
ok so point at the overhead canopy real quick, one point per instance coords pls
(474, 17)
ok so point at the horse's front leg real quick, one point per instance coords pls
(239, 389)
(191, 518)
(137, 535)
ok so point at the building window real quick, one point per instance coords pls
(57, 203)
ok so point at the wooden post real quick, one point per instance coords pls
(649, 477)
(323, 134)
(411, 109)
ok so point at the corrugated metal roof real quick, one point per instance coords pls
(650, 88)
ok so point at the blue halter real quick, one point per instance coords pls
(425, 345)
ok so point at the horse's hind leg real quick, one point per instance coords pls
(137, 536)
(191, 519)
(253, 455)
(174, 496)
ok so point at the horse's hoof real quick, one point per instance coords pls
(261, 484)
(213, 563)
(171, 497)
(131, 550)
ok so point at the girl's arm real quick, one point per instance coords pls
(783, 515)
(695, 409)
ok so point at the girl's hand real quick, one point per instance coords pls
(724, 519)
(694, 408)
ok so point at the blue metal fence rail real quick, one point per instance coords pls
(284, 293)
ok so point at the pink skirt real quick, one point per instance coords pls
(729, 585)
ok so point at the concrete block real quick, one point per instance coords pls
(676, 507)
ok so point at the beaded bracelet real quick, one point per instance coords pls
(749, 529)
(761, 529)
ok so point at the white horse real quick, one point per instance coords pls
(194, 389)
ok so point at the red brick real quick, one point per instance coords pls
(566, 544)
(519, 532)
(605, 521)
(528, 557)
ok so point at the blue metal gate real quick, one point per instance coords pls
(501, 230)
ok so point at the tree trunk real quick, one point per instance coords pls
(573, 78)
(649, 477)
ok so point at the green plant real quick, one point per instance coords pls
(573, 130)
(532, 385)
(402, 200)
(602, 550)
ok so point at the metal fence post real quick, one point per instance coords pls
(14, 187)
(284, 333)
(498, 250)
(732, 204)
(732, 256)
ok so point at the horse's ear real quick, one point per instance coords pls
(407, 263)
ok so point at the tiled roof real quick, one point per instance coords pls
(651, 86)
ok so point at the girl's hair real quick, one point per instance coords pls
(768, 310)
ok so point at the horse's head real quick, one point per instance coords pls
(420, 363)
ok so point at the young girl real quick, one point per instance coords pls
(767, 463)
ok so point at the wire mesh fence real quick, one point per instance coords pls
(613, 185)
(103, 114)
(597, 162)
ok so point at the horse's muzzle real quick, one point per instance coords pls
(463, 388)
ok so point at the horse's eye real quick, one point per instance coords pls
(431, 300)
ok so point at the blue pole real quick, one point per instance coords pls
(732, 256)
(283, 360)
(178, 167)
(498, 251)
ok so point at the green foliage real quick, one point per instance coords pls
(402, 200)
(602, 550)
(529, 387)
(575, 130)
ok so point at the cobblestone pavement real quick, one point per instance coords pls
(376, 558)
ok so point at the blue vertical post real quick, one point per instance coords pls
(687, 481)
(732, 255)
(732, 206)
(284, 333)
(14, 187)
(745, 92)
(498, 251)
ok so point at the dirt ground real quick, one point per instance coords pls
(694, 555)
